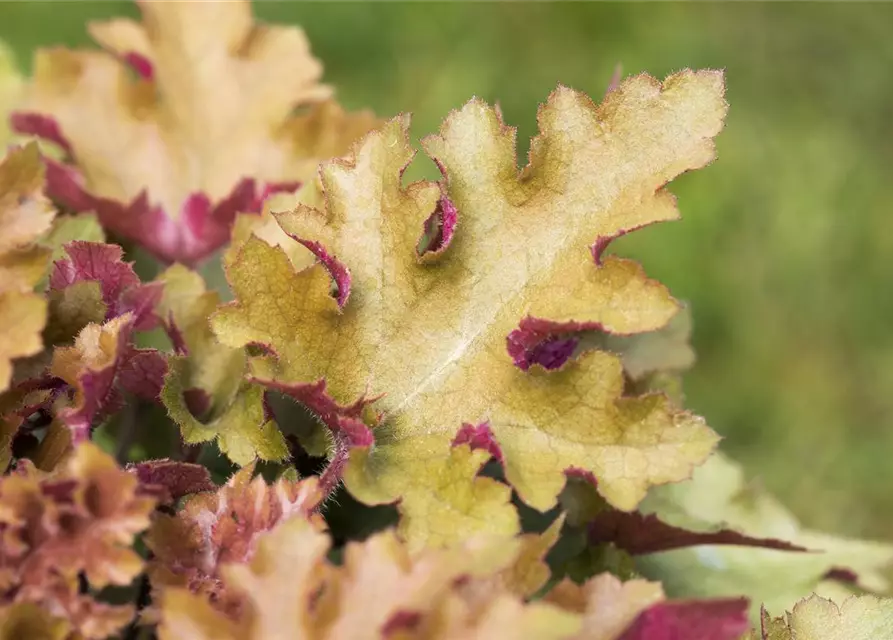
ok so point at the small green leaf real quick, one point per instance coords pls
(66, 229)
(241, 430)
(73, 308)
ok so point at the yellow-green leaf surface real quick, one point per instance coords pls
(73, 308)
(265, 226)
(22, 318)
(25, 214)
(450, 498)
(210, 366)
(530, 572)
(431, 334)
(815, 618)
(242, 430)
(66, 229)
(26, 620)
(718, 494)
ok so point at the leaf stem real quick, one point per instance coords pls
(127, 431)
(191, 452)
(330, 478)
(143, 596)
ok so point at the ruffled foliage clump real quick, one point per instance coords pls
(439, 409)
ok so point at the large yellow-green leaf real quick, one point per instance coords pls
(430, 332)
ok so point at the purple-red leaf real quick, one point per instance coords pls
(200, 228)
(122, 291)
(40, 126)
(478, 437)
(100, 364)
(638, 534)
(142, 373)
(339, 273)
(537, 342)
(690, 620)
(170, 480)
(439, 228)
(220, 528)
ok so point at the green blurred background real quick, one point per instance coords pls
(786, 248)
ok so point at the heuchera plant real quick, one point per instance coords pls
(467, 350)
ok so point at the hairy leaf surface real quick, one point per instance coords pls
(223, 527)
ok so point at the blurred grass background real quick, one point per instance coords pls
(785, 251)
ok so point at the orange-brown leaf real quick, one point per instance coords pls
(80, 520)
(223, 527)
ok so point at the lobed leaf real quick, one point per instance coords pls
(120, 287)
(429, 331)
(205, 130)
(414, 597)
(243, 430)
(381, 590)
(98, 367)
(214, 529)
(96, 302)
(79, 299)
(212, 372)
